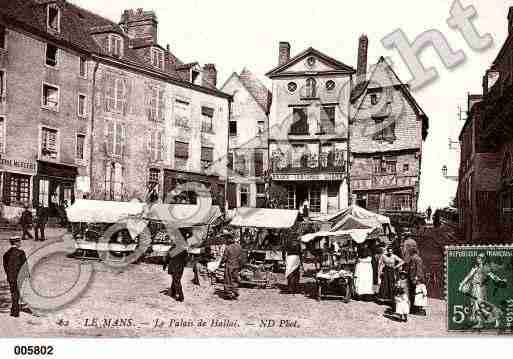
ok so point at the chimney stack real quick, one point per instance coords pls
(210, 76)
(140, 24)
(510, 20)
(361, 69)
(284, 53)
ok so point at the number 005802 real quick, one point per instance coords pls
(33, 350)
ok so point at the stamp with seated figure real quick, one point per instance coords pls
(479, 285)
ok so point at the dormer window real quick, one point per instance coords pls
(157, 58)
(115, 45)
(53, 18)
(195, 76)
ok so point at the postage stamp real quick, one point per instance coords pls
(479, 285)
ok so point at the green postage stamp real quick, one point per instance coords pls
(479, 284)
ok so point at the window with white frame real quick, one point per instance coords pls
(157, 58)
(154, 103)
(53, 18)
(52, 55)
(2, 134)
(115, 45)
(207, 156)
(181, 150)
(182, 113)
(80, 146)
(207, 116)
(315, 199)
(115, 94)
(82, 105)
(244, 195)
(3, 37)
(50, 98)
(115, 133)
(3, 86)
(83, 67)
(156, 142)
(291, 197)
(49, 137)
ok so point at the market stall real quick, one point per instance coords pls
(262, 232)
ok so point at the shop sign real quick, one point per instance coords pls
(308, 177)
(17, 165)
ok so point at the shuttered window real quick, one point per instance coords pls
(207, 116)
(182, 113)
(49, 143)
(115, 94)
(115, 133)
(50, 97)
(80, 146)
(2, 134)
(156, 145)
(259, 164)
(181, 149)
(327, 120)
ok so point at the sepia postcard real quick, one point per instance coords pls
(207, 169)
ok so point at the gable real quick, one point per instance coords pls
(383, 76)
(242, 97)
(300, 64)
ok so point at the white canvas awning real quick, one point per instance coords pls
(358, 235)
(355, 217)
(93, 211)
(186, 215)
(264, 218)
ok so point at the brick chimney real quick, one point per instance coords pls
(361, 69)
(284, 53)
(210, 76)
(140, 24)
(510, 20)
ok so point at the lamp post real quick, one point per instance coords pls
(444, 174)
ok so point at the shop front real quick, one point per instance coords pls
(16, 181)
(322, 193)
(54, 186)
(172, 179)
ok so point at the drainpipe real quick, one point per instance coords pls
(91, 133)
(226, 182)
(349, 120)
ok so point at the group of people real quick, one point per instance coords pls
(176, 260)
(27, 221)
(392, 278)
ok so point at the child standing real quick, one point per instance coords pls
(402, 301)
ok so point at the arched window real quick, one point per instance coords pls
(311, 87)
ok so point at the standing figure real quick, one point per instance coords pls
(401, 299)
(407, 246)
(388, 268)
(376, 275)
(475, 285)
(416, 280)
(231, 260)
(41, 220)
(14, 260)
(175, 263)
(363, 275)
(293, 264)
(428, 213)
(26, 222)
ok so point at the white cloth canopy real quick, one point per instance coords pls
(358, 235)
(264, 218)
(93, 211)
(355, 217)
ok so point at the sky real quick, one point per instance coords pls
(234, 34)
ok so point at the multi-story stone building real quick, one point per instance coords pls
(386, 134)
(308, 129)
(89, 106)
(248, 151)
(485, 190)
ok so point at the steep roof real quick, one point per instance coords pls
(256, 88)
(361, 90)
(77, 26)
(335, 64)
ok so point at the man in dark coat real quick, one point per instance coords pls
(14, 260)
(415, 267)
(232, 262)
(41, 220)
(26, 222)
(175, 264)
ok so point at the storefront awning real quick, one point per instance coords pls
(264, 218)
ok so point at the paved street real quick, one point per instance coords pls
(136, 294)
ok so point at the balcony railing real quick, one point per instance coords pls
(323, 162)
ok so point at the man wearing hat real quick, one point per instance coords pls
(231, 259)
(175, 262)
(25, 222)
(14, 260)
